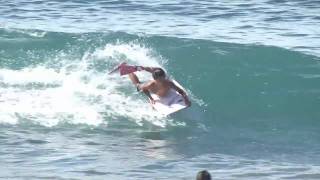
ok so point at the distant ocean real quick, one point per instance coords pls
(251, 69)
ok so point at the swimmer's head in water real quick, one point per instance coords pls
(203, 175)
(158, 74)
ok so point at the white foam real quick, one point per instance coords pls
(131, 53)
(80, 94)
(38, 74)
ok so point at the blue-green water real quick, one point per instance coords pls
(255, 112)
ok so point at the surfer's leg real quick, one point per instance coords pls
(134, 78)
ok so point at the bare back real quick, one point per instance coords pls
(161, 88)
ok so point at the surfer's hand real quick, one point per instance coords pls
(152, 101)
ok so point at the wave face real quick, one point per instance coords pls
(252, 104)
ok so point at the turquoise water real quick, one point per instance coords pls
(256, 99)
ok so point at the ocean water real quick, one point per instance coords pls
(251, 69)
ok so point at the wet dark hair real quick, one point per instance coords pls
(158, 73)
(203, 175)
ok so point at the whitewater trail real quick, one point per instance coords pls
(77, 92)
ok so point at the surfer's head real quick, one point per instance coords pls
(158, 74)
(203, 175)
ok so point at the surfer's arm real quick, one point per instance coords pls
(145, 89)
(147, 93)
(182, 92)
(150, 69)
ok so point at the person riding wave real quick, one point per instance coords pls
(160, 85)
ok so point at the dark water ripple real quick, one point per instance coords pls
(212, 20)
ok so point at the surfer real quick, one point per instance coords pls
(160, 85)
